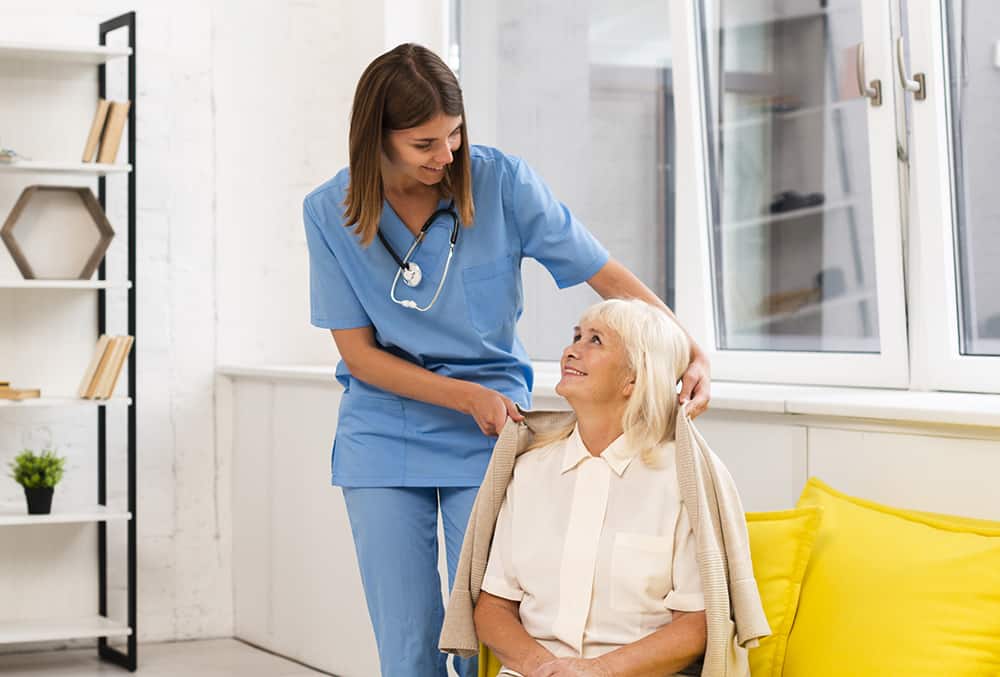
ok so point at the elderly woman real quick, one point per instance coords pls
(593, 570)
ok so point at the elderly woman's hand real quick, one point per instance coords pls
(696, 383)
(570, 667)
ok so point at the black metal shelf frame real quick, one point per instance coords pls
(129, 658)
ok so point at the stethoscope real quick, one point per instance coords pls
(410, 271)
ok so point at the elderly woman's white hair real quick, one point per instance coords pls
(657, 352)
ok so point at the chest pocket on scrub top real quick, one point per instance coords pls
(492, 294)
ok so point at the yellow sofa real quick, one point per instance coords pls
(853, 588)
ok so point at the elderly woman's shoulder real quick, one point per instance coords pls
(657, 465)
(541, 457)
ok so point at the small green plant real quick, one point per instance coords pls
(37, 471)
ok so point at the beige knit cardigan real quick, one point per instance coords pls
(717, 518)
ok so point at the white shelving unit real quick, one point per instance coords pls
(97, 626)
(12, 514)
(790, 115)
(807, 310)
(50, 630)
(81, 54)
(765, 16)
(65, 402)
(78, 168)
(786, 216)
(66, 285)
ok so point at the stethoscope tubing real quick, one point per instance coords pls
(403, 264)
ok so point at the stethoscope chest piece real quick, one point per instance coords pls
(410, 271)
(412, 275)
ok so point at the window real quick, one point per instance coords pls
(974, 51)
(955, 220)
(804, 281)
(586, 98)
(810, 151)
(792, 235)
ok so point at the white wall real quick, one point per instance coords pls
(243, 107)
(283, 82)
(297, 584)
(298, 591)
(183, 511)
(580, 95)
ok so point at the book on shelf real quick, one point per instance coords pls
(95, 361)
(96, 130)
(101, 376)
(112, 136)
(8, 393)
(108, 381)
(102, 364)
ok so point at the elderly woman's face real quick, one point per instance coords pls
(594, 366)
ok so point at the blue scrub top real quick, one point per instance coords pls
(384, 440)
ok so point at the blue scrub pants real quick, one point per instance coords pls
(395, 534)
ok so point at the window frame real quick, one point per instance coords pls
(938, 363)
(918, 316)
(696, 310)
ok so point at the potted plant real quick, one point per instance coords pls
(38, 474)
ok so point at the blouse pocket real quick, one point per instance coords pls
(492, 294)
(640, 572)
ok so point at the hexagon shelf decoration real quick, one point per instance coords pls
(50, 236)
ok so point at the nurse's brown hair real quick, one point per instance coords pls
(403, 88)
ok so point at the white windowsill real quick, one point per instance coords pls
(281, 372)
(866, 403)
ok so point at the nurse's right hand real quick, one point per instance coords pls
(491, 409)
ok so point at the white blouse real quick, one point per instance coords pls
(597, 549)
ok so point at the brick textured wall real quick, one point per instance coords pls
(243, 108)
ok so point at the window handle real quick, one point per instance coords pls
(918, 85)
(873, 90)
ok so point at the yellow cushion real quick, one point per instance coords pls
(896, 592)
(489, 665)
(780, 545)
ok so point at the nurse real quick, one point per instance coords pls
(414, 262)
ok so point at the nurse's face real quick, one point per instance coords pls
(423, 153)
(595, 368)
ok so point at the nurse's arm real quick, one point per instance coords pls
(498, 626)
(371, 364)
(615, 281)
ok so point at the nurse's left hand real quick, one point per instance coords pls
(571, 667)
(696, 384)
(491, 409)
